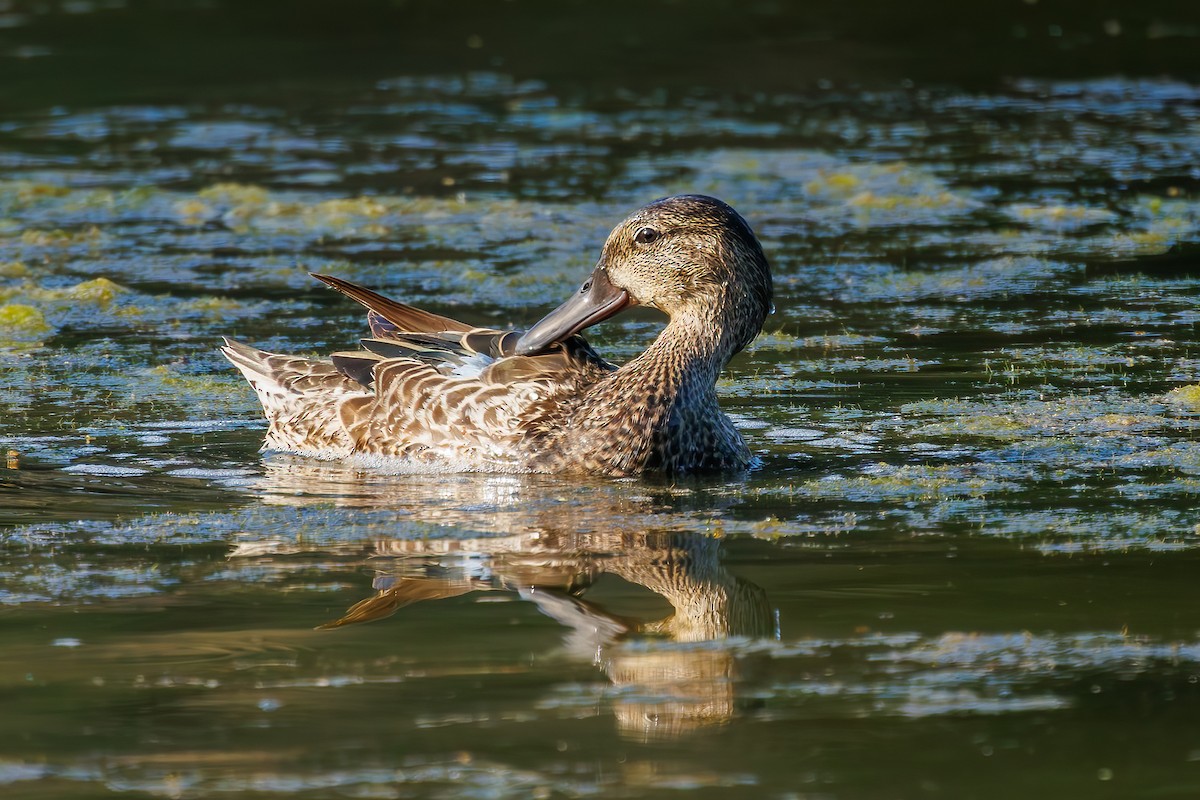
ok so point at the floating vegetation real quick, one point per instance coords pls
(21, 323)
(61, 238)
(897, 484)
(13, 269)
(1186, 396)
(1060, 217)
(18, 194)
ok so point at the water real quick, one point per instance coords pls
(965, 568)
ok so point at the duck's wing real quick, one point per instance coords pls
(424, 387)
(395, 315)
(403, 331)
(452, 347)
(456, 404)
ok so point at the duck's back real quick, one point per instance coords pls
(447, 401)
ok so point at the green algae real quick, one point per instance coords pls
(235, 194)
(250, 207)
(981, 424)
(888, 483)
(57, 237)
(1069, 416)
(1186, 396)
(1061, 217)
(986, 278)
(185, 389)
(16, 195)
(101, 292)
(830, 342)
(864, 193)
(22, 323)
(217, 308)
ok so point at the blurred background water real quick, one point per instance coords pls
(966, 567)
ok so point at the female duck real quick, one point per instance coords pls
(437, 394)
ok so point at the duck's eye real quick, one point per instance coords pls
(646, 235)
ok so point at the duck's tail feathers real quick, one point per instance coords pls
(402, 318)
(280, 376)
(301, 398)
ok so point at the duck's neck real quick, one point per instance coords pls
(659, 411)
(689, 353)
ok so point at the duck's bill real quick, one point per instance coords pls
(597, 300)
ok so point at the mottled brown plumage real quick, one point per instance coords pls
(428, 392)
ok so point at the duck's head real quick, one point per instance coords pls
(690, 256)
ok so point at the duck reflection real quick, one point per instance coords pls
(548, 543)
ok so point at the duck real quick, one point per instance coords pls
(430, 393)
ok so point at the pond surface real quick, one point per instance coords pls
(967, 566)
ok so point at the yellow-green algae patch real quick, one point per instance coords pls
(776, 341)
(20, 194)
(98, 291)
(197, 386)
(873, 201)
(192, 211)
(1071, 430)
(58, 237)
(903, 483)
(827, 342)
(1061, 216)
(249, 207)
(239, 200)
(215, 307)
(22, 325)
(837, 190)
(991, 426)
(515, 280)
(238, 193)
(841, 184)
(1186, 396)
(1153, 226)
(1004, 275)
(22, 319)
